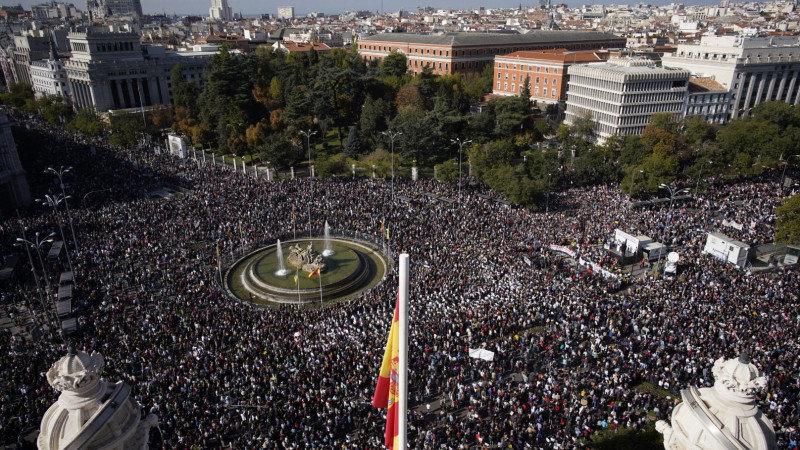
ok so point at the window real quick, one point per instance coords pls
(553, 93)
(498, 85)
(505, 86)
(537, 80)
(499, 75)
(555, 81)
(513, 87)
(545, 81)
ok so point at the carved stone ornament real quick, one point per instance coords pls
(306, 259)
(76, 370)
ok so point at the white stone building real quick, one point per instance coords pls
(49, 76)
(220, 11)
(722, 417)
(101, 9)
(113, 70)
(753, 69)
(91, 413)
(623, 93)
(286, 12)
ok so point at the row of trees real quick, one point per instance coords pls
(257, 105)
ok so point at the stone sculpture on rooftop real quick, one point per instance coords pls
(723, 417)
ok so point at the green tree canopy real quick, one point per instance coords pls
(787, 228)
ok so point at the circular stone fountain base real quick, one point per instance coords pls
(353, 267)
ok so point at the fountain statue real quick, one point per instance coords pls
(328, 250)
(282, 270)
(306, 259)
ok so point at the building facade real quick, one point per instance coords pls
(102, 9)
(49, 76)
(220, 11)
(112, 70)
(31, 45)
(470, 52)
(544, 70)
(14, 190)
(286, 12)
(707, 99)
(621, 95)
(753, 69)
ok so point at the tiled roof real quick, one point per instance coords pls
(459, 39)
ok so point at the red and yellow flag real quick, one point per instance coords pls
(386, 395)
(314, 272)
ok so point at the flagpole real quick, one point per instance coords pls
(402, 369)
(319, 275)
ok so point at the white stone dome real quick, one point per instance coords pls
(91, 413)
(722, 417)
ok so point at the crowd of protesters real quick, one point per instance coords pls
(575, 352)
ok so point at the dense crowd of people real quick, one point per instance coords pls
(575, 352)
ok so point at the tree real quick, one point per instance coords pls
(512, 115)
(88, 122)
(664, 121)
(353, 146)
(184, 93)
(20, 96)
(125, 129)
(526, 89)
(787, 227)
(409, 96)
(697, 130)
(278, 150)
(578, 137)
(53, 109)
(447, 171)
(394, 64)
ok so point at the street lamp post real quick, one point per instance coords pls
(38, 243)
(22, 242)
(60, 174)
(672, 193)
(699, 175)
(53, 201)
(391, 137)
(460, 147)
(308, 135)
(547, 201)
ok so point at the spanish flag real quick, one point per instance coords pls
(314, 272)
(386, 391)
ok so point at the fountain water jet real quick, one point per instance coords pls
(282, 270)
(328, 250)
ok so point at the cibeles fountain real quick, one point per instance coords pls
(344, 268)
(722, 417)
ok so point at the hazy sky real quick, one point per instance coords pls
(249, 7)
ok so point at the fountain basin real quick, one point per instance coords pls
(352, 267)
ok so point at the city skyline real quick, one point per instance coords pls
(200, 7)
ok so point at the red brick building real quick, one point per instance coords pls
(545, 70)
(470, 52)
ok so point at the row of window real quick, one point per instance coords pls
(527, 67)
(534, 93)
(537, 80)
